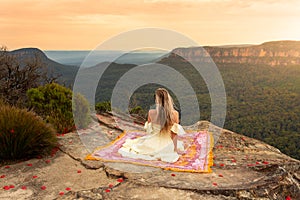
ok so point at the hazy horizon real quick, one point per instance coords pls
(108, 50)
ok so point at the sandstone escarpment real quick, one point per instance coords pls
(280, 53)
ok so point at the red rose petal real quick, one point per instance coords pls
(11, 186)
(47, 161)
(78, 171)
(265, 162)
(2, 176)
(29, 164)
(257, 163)
(215, 184)
(12, 130)
(34, 176)
(6, 187)
(43, 187)
(68, 189)
(233, 160)
(288, 198)
(7, 167)
(120, 180)
(107, 190)
(173, 175)
(110, 185)
(220, 175)
(61, 193)
(222, 164)
(214, 164)
(23, 187)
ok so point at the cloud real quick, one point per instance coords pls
(37, 22)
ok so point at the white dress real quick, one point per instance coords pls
(155, 145)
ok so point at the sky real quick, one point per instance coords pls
(84, 24)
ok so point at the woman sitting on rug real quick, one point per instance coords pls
(162, 127)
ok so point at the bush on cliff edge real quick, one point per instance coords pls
(23, 134)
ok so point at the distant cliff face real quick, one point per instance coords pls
(280, 53)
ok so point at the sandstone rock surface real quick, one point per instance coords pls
(244, 168)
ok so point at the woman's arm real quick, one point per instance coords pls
(176, 116)
(150, 115)
(174, 135)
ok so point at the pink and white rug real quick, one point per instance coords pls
(197, 156)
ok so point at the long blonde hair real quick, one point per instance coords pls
(164, 108)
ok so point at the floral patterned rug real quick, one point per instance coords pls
(197, 156)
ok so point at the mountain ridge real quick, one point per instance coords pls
(274, 53)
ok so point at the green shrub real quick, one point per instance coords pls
(137, 110)
(81, 111)
(54, 103)
(104, 106)
(23, 134)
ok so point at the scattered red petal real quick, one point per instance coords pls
(34, 176)
(107, 190)
(120, 180)
(215, 184)
(78, 171)
(257, 163)
(250, 165)
(214, 164)
(12, 131)
(233, 160)
(220, 175)
(243, 139)
(47, 161)
(222, 164)
(29, 164)
(288, 198)
(7, 167)
(61, 193)
(265, 162)
(173, 175)
(2, 176)
(68, 189)
(43, 187)
(110, 185)
(11, 186)
(6, 187)
(23, 187)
